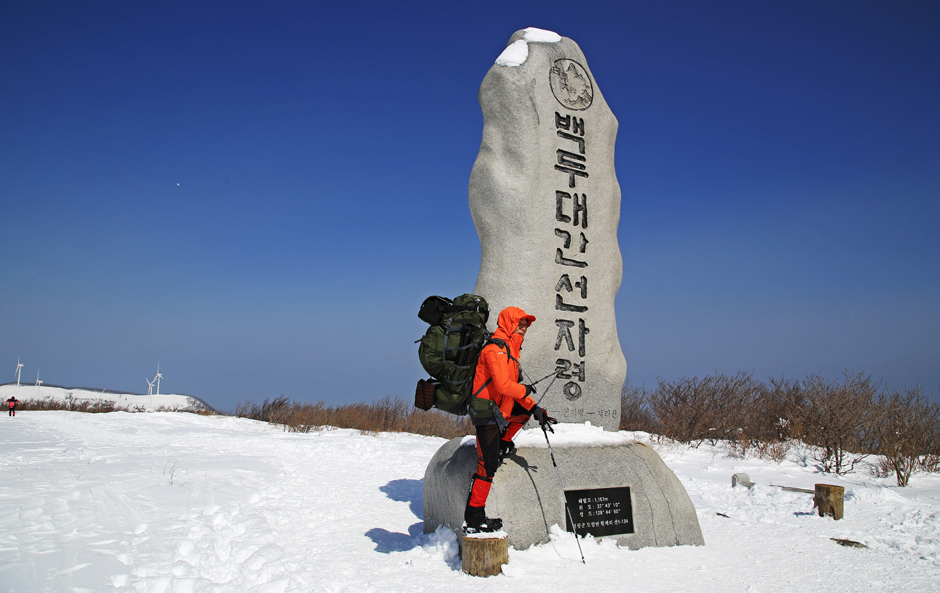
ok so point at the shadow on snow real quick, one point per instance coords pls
(412, 492)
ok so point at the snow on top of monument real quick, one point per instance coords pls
(566, 435)
(573, 435)
(541, 35)
(516, 53)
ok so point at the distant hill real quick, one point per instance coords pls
(121, 400)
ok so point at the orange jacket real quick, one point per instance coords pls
(504, 389)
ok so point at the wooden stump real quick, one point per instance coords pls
(829, 500)
(484, 554)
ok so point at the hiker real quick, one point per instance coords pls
(501, 407)
(12, 403)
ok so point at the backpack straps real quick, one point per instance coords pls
(482, 387)
(503, 344)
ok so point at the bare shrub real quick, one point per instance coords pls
(839, 419)
(70, 404)
(635, 413)
(681, 409)
(764, 422)
(908, 433)
(244, 409)
(930, 462)
(739, 414)
(275, 411)
(775, 451)
(784, 407)
(713, 408)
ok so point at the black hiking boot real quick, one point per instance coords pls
(476, 521)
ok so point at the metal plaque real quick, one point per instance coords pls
(600, 511)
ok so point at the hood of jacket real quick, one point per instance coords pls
(508, 321)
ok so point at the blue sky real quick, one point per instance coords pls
(252, 194)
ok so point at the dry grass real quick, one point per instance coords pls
(91, 406)
(389, 414)
(71, 405)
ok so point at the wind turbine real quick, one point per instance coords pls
(150, 389)
(19, 367)
(157, 378)
(38, 382)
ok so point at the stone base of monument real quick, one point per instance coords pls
(615, 488)
(483, 554)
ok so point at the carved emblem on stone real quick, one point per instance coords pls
(571, 84)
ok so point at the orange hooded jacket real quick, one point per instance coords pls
(504, 389)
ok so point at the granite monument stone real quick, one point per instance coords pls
(546, 204)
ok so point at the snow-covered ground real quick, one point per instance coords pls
(122, 401)
(181, 502)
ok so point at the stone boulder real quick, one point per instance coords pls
(527, 496)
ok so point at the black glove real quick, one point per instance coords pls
(529, 389)
(506, 448)
(543, 418)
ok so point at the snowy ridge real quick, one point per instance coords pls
(183, 502)
(122, 401)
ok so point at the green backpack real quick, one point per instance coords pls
(449, 351)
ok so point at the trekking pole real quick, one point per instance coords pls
(546, 390)
(570, 518)
(551, 374)
(540, 380)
